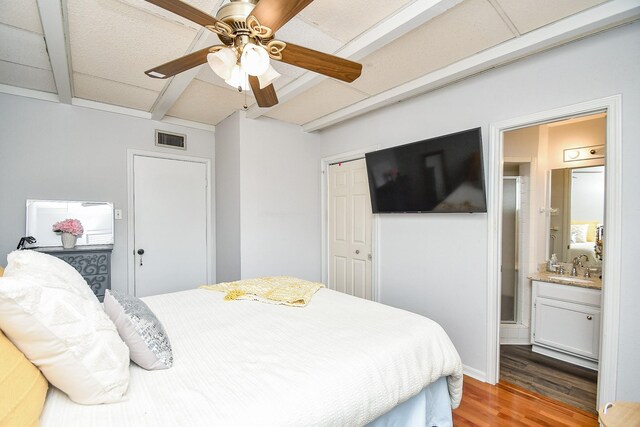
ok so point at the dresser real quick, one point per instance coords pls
(92, 262)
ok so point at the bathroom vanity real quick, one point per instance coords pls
(565, 318)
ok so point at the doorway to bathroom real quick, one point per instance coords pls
(553, 208)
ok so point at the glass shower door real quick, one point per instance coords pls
(509, 271)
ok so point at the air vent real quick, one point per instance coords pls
(171, 140)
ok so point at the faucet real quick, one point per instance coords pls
(574, 268)
(577, 262)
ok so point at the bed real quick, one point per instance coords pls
(577, 250)
(339, 361)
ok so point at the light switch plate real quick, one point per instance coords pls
(118, 213)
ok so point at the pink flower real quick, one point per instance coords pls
(69, 225)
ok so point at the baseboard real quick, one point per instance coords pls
(474, 373)
(515, 341)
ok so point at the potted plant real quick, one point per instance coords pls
(70, 229)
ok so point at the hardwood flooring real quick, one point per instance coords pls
(485, 405)
(555, 379)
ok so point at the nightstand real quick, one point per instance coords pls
(92, 262)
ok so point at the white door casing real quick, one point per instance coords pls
(170, 216)
(349, 226)
(610, 326)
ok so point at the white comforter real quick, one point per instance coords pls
(339, 361)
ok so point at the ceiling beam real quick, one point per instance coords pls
(177, 85)
(383, 33)
(590, 21)
(54, 26)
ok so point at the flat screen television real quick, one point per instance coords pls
(443, 174)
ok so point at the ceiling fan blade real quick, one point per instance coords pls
(275, 13)
(265, 97)
(329, 65)
(186, 11)
(179, 65)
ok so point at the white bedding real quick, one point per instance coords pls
(339, 361)
(585, 248)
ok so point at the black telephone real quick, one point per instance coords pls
(27, 239)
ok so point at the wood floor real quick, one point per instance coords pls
(508, 405)
(558, 380)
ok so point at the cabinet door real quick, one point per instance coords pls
(573, 328)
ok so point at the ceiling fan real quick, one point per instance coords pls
(247, 30)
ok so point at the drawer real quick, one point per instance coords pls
(573, 294)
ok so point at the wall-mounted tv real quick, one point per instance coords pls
(443, 174)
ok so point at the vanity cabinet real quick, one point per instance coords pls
(566, 323)
(92, 262)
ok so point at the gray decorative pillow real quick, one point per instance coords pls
(140, 329)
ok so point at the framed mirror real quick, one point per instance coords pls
(96, 219)
(577, 213)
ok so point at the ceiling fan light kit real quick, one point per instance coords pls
(239, 79)
(247, 30)
(254, 59)
(222, 62)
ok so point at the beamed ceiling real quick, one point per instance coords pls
(94, 52)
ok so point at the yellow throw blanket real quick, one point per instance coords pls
(274, 290)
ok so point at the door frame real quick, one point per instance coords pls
(324, 206)
(210, 237)
(609, 330)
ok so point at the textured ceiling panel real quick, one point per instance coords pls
(23, 47)
(345, 20)
(21, 14)
(118, 42)
(206, 103)
(462, 31)
(318, 101)
(26, 77)
(208, 76)
(208, 6)
(528, 15)
(110, 92)
(303, 34)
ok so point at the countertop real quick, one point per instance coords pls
(545, 276)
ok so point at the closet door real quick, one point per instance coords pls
(170, 225)
(350, 229)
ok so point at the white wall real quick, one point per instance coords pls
(436, 264)
(228, 258)
(280, 199)
(272, 216)
(62, 152)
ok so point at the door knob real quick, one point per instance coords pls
(589, 317)
(357, 251)
(140, 251)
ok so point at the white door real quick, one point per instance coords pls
(170, 225)
(350, 229)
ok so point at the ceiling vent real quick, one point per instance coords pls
(171, 140)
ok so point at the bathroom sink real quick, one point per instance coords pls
(571, 279)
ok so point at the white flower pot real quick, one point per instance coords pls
(68, 240)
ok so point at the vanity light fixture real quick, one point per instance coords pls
(584, 153)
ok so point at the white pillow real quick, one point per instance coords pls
(140, 329)
(64, 333)
(579, 233)
(41, 267)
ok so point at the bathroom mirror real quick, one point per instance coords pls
(96, 219)
(576, 213)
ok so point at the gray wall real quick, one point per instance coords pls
(435, 264)
(62, 152)
(228, 199)
(268, 199)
